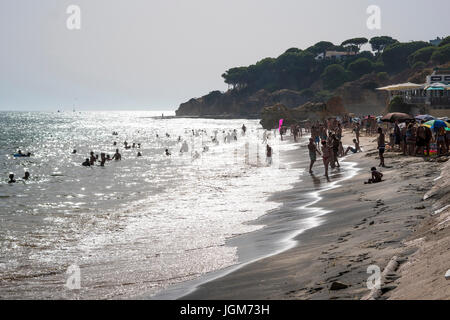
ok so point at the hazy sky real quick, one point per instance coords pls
(156, 54)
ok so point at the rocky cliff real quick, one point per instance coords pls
(271, 115)
(237, 104)
(359, 97)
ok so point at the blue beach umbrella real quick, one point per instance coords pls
(436, 124)
(424, 117)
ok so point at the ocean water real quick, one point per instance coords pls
(134, 226)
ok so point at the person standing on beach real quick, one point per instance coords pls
(326, 155)
(381, 146)
(312, 147)
(357, 130)
(335, 143)
(269, 155)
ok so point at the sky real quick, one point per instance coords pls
(156, 54)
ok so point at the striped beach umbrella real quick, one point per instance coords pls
(436, 124)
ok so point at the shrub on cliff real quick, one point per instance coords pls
(442, 54)
(361, 67)
(395, 56)
(445, 41)
(398, 105)
(334, 76)
(421, 55)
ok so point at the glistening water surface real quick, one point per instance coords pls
(134, 226)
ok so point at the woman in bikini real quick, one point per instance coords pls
(326, 155)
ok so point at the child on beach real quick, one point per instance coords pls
(376, 176)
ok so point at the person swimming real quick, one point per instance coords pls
(26, 176)
(92, 159)
(86, 163)
(74, 151)
(103, 159)
(117, 156)
(139, 154)
(11, 178)
(167, 152)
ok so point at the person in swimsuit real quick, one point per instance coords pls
(376, 176)
(117, 156)
(381, 146)
(312, 153)
(11, 178)
(355, 149)
(269, 155)
(326, 155)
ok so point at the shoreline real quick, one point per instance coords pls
(295, 215)
(367, 225)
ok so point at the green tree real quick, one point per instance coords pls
(355, 44)
(445, 41)
(361, 66)
(237, 77)
(334, 75)
(321, 47)
(380, 43)
(395, 56)
(442, 54)
(421, 55)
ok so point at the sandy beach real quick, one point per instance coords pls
(402, 222)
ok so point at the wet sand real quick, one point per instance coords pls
(364, 225)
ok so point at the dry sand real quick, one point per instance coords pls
(369, 225)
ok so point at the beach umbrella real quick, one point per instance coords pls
(402, 86)
(436, 124)
(436, 86)
(424, 117)
(397, 116)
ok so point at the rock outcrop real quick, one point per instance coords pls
(271, 115)
(238, 104)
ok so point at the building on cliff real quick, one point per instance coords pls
(334, 55)
(435, 92)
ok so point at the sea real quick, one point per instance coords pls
(135, 226)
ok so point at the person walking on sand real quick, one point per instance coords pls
(326, 155)
(381, 146)
(312, 147)
(269, 155)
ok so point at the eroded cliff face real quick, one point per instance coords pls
(360, 97)
(232, 104)
(271, 115)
